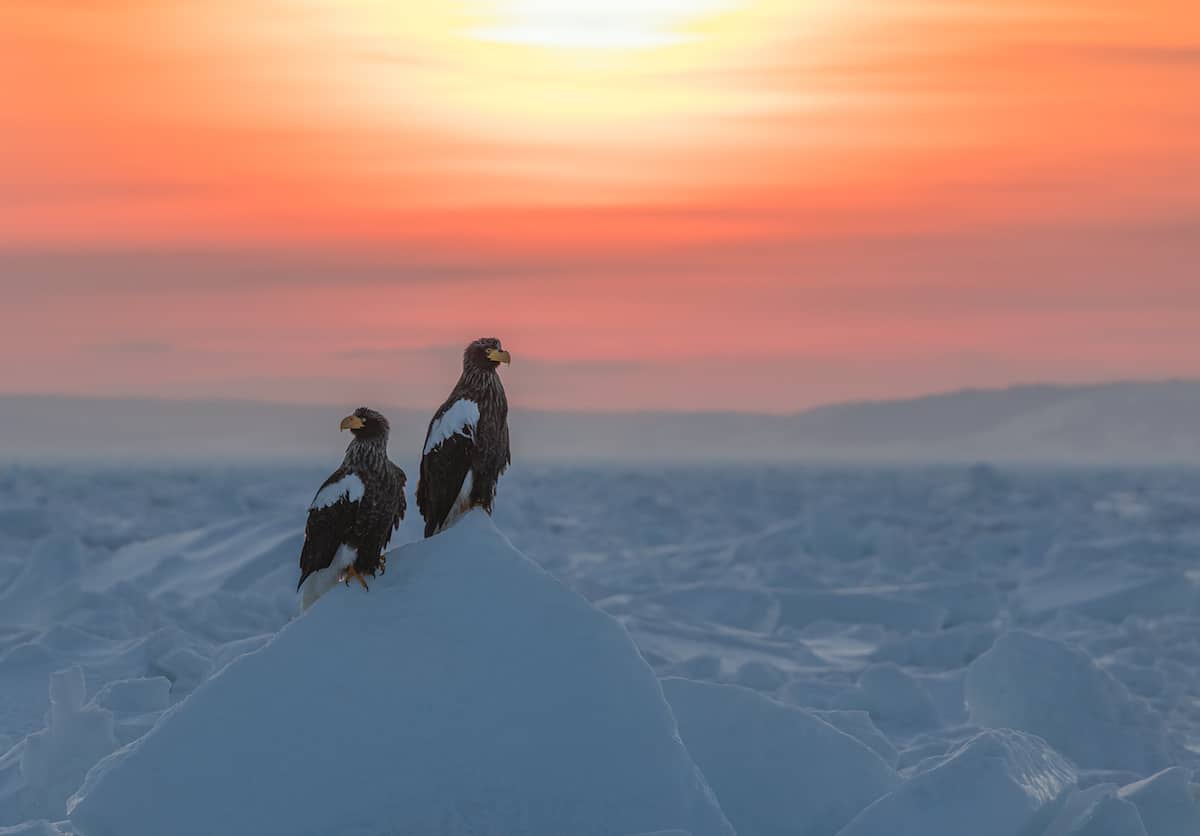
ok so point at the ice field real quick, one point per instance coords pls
(951, 651)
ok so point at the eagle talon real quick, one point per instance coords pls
(351, 573)
(351, 518)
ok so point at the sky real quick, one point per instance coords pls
(656, 204)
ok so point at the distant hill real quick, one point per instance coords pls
(1157, 422)
(1154, 422)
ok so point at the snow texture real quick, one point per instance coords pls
(777, 770)
(1043, 687)
(1019, 651)
(468, 690)
(459, 419)
(48, 765)
(1097, 811)
(1000, 783)
(1167, 803)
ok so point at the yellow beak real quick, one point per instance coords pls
(497, 355)
(352, 422)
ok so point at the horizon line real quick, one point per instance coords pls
(929, 395)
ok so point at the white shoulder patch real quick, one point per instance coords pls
(459, 419)
(348, 487)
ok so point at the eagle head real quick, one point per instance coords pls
(485, 353)
(366, 424)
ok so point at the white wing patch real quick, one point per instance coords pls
(459, 419)
(349, 487)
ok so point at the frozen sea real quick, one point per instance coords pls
(938, 617)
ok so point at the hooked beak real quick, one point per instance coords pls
(497, 355)
(352, 422)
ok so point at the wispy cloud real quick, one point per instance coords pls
(324, 200)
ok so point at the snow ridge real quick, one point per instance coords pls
(507, 705)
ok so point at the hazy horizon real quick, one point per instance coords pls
(1120, 423)
(391, 403)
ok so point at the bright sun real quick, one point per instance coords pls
(592, 24)
(623, 73)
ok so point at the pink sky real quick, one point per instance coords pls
(693, 204)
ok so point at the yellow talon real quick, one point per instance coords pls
(352, 573)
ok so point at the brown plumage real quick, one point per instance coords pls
(466, 446)
(354, 513)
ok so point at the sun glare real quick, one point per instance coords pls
(517, 81)
(592, 24)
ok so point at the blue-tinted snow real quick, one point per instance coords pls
(467, 692)
(875, 600)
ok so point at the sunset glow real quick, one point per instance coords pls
(319, 200)
(592, 24)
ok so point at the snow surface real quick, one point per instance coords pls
(1044, 687)
(468, 690)
(999, 783)
(459, 419)
(1018, 651)
(776, 769)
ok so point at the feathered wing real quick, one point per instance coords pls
(400, 480)
(443, 470)
(331, 517)
(491, 456)
(449, 454)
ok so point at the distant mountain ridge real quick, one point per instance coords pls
(1149, 419)
(1150, 422)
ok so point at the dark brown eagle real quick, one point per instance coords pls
(466, 447)
(354, 513)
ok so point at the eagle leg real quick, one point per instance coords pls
(383, 564)
(351, 573)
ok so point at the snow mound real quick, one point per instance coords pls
(38, 774)
(47, 580)
(858, 725)
(1097, 811)
(999, 783)
(1046, 688)
(1168, 803)
(468, 691)
(777, 770)
(1106, 592)
(893, 698)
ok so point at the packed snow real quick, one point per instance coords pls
(810, 651)
(468, 691)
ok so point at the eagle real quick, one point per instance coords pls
(466, 447)
(355, 511)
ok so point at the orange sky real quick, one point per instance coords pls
(689, 204)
